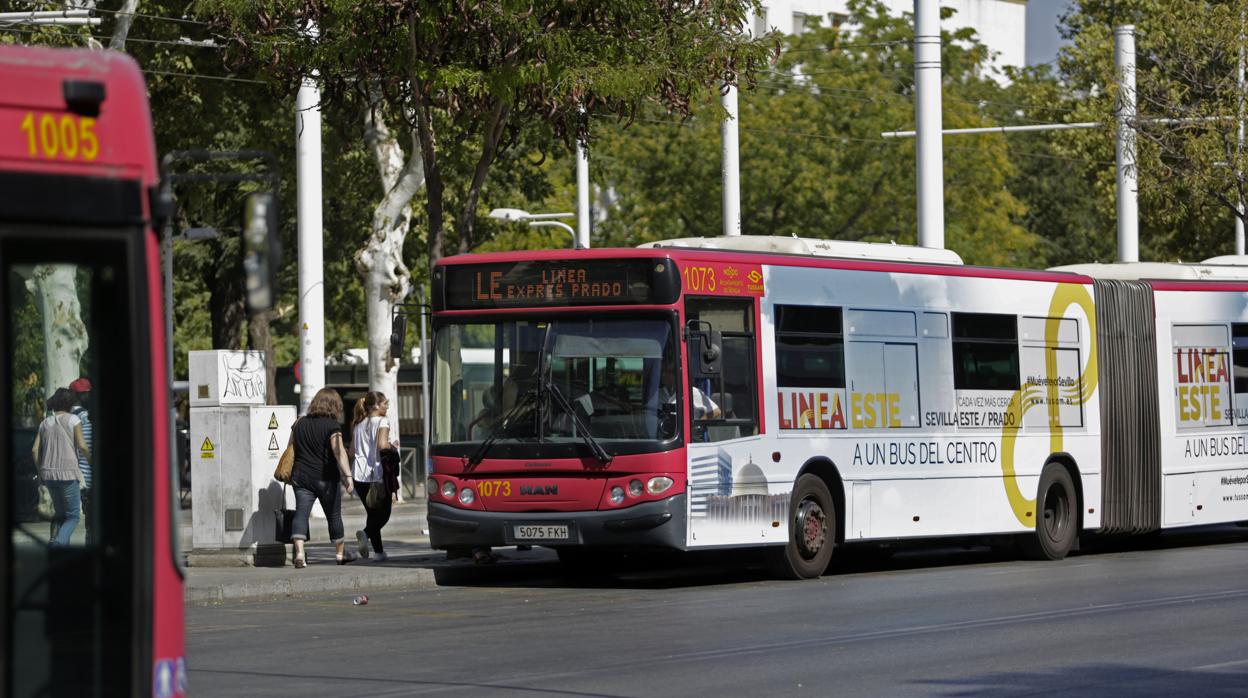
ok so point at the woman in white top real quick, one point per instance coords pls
(369, 435)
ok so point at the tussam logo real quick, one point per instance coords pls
(539, 489)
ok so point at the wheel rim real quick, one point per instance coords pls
(1056, 513)
(811, 528)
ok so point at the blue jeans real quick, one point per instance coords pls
(68, 507)
(329, 492)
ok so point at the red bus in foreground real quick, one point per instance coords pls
(92, 606)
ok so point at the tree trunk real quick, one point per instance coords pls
(260, 339)
(65, 337)
(124, 18)
(226, 308)
(380, 261)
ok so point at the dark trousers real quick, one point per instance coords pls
(307, 491)
(377, 517)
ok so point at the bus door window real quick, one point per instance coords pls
(1239, 370)
(723, 406)
(884, 372)
(72, 478)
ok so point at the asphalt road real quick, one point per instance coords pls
(1156, 618)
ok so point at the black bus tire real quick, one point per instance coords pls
(812, 532)
(1057, 516)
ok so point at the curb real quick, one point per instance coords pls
(408, 579)
(207, 586)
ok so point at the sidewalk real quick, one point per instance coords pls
(413, 565)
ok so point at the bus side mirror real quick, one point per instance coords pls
(398, 337)
(261, 251)
(712, 352)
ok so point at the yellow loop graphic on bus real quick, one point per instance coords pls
(1026, 397)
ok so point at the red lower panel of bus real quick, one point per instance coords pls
(520, 486)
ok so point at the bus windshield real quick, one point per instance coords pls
(618, 376)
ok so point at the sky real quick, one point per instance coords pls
(1043, 40)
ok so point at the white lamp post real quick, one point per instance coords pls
(537, 220)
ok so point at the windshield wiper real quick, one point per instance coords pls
(582, 429)
(479, 454)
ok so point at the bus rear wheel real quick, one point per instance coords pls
(1057, 516)
(812, 532)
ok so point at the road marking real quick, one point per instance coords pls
(1221, 665)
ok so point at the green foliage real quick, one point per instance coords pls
(473, 82)
(813, 163)
(1186, 52)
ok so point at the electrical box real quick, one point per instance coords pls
(234, 450)
(220, 378)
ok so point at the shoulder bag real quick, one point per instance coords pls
(286, 464)
(283, 521)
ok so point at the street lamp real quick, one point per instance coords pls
(537, 220)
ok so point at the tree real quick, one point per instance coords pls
(1188, 172)
(464, 83)
(813, 163)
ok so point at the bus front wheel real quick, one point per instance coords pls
(1057, 516)
(812, 532)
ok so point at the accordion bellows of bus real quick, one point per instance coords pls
(800, 395)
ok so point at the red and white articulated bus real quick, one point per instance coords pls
(91, 606)
(800, 395)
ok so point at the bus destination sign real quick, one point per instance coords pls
(559, 282)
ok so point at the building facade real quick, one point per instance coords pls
(1000, 24)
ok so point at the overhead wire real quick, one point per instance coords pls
(875, 96)
(74, 38)
(878, 141)
(75, 6)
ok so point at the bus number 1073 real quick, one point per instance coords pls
(699, 279)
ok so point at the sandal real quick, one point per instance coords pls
(346, 558)
(300, 563)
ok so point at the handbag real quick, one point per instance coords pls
(286, 464)
(377, 495)
(283, 521)
(44, 508)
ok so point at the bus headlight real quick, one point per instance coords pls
(635, 488)
(659, 485)
(466, 496)
(448, 490)
(617, 495)
(431, 485)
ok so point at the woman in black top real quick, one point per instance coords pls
(320, 472)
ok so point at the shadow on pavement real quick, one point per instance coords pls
(670, 569)
(1096, 680)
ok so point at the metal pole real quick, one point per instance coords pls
(424, 394)
(171, 432)
(1239, 145)
(311, 260)
(927, 107)
(731, 163)
(582, 193)
(1128, 190)
(167, 249)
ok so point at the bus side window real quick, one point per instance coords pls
(733, 393)
(810, 347)
(985, 352)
